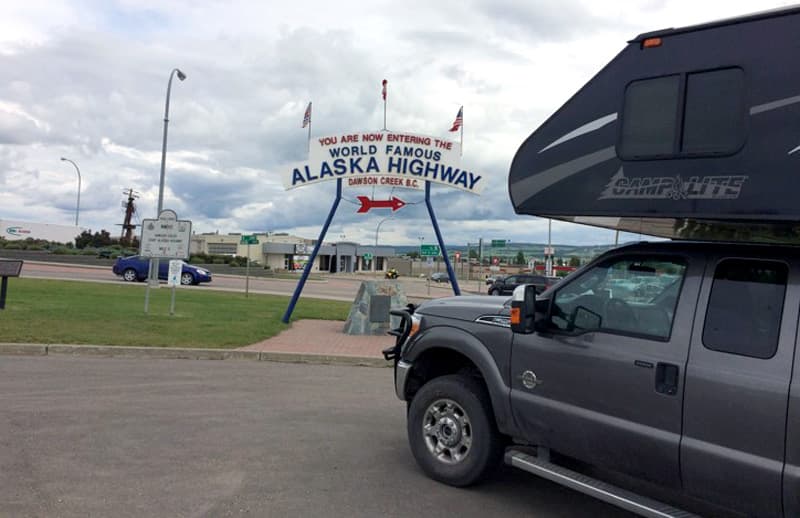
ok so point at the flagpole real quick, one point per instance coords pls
(462, 131)
(309, 137)
(385, 94)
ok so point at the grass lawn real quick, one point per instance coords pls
(64, 312)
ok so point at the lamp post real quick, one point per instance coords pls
(153, 274)
(77, 205)
(375, 257)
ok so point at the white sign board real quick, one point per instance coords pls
(166, 237)
(175, 270)
(429, 263)
(384, 159)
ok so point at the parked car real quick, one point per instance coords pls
(440, 277)
(492, 278)
(505, 286)
(135, 268)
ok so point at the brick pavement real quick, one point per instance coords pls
(323, 337)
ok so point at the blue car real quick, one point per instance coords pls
(135, 268)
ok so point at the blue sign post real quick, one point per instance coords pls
(307, 270)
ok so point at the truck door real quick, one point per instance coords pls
(604, 383)
(737, 384)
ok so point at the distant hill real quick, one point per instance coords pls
(528, 250)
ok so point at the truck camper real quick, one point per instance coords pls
(689, 133)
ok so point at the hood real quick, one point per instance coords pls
(465, 308)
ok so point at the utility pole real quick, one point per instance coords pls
(130, 209)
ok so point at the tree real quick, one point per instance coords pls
(574, 261)
(413, 255)
(520, 259)
(473, 254)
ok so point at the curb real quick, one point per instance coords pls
(185, 353)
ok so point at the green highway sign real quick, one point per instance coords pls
(498, 243)
(368, 256)
(248, 240)
(429, 250)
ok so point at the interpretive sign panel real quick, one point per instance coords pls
(175, 270)
(166, 237)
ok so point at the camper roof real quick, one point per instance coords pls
(769, 13)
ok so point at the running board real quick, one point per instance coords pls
(613, 495)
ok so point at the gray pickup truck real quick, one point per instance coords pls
(668, 362)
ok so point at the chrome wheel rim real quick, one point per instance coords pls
(447, 431)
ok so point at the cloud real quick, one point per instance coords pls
(87, 80)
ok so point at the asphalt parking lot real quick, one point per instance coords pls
(131, 437)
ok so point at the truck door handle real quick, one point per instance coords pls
(667, 379)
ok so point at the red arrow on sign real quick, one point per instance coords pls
(366, 204)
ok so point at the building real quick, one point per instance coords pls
(282, 251)
(21, 230)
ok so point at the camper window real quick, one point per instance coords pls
(650, 117)
(711, 121)
(714, 115)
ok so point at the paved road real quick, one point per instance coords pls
(333, 287)
(138, 438)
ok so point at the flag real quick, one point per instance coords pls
(307, 116)
(459, 120)
(383, 92)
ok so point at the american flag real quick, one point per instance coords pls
(307, 116)
(383, 92)
(459, 120)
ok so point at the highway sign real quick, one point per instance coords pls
(429, 250)
(166, 237)
(248, 239)
(498, 243)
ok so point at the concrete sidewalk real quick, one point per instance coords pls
(324, 337)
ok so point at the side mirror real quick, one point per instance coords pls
(524, 316)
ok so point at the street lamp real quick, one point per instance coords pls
(154, 262)
(77, 205)
(378, 229)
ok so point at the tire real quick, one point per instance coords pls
(451, 431)
(187, 279)
(494, 293)
(130, 275)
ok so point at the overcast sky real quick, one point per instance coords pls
(87, 80)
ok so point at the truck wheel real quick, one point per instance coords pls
(452, 432)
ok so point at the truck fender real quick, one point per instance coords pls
(460, 341)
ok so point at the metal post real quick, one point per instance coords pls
(153, 270)
(307, 270)
(247, 273)
(78, 204)
(375, 257)
(172, 302)
(3, 291)
(480, 263)
(450, 272)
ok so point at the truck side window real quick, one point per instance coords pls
(745, 307)
(628, 295)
